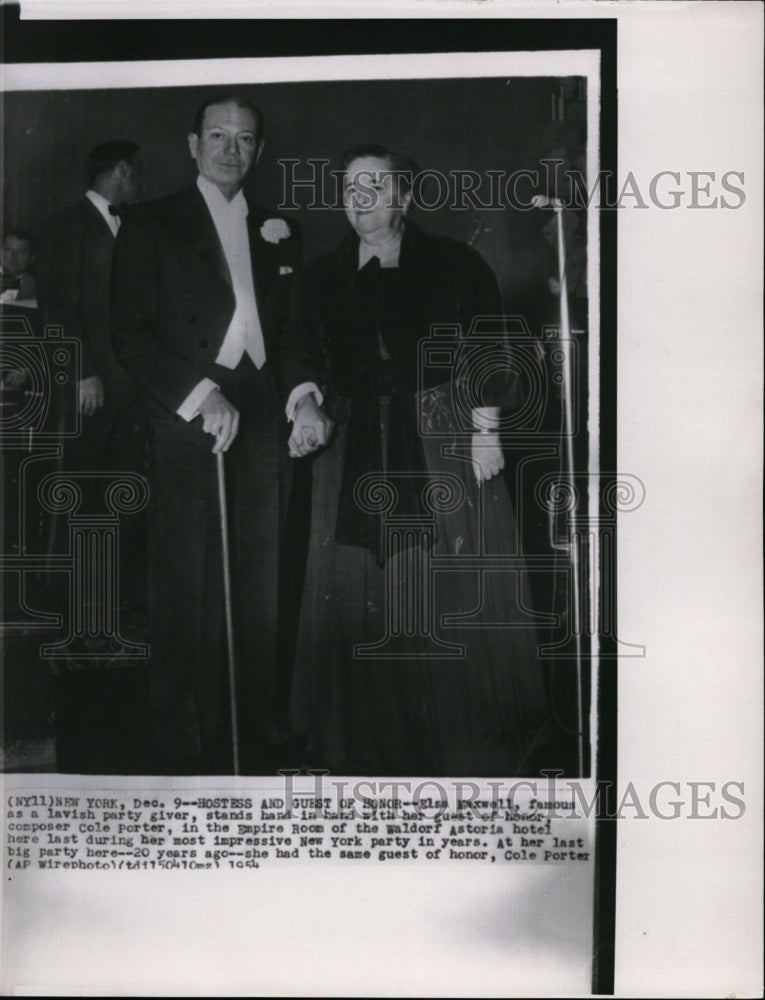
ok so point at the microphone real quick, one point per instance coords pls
(544, 201)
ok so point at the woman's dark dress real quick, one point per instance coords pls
(417, 713)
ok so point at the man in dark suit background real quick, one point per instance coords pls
(203, 318)
(74, 286)
(73, 277)
(74, 264)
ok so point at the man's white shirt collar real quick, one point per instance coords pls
(103, 207)
(218, 203)
(223, 211)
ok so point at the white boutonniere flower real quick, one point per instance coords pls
(274, 230)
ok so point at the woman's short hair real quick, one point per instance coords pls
(404, 166)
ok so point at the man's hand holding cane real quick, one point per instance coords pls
(219, 418)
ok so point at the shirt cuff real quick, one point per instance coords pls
(486, 419)
(297, 394)
(189, 408)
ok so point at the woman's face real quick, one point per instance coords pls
(372, 200)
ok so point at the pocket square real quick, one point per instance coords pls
(285, 270)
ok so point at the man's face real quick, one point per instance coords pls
(128, 175)
(228, 146)
(17, 256)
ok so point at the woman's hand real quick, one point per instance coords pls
(90, 394)
(488, 460)
(311, 427)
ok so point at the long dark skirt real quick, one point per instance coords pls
(435, 695)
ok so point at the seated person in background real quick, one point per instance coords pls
(17, 283)
(17, 287)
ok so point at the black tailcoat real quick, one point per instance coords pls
(172, 305)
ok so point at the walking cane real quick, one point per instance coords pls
(229, 609)
(540, 201)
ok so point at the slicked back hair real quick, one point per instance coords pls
(237, 101)
(102, 159)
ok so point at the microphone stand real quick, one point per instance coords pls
(568, 461)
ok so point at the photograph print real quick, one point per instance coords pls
(302, 399)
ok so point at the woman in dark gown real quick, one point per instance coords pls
(408, 664)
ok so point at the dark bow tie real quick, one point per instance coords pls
(113, 210)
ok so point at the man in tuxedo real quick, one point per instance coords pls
(203, 318)
(73, 283)
(73, 277)
(74, 265)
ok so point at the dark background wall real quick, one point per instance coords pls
(478, 124)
